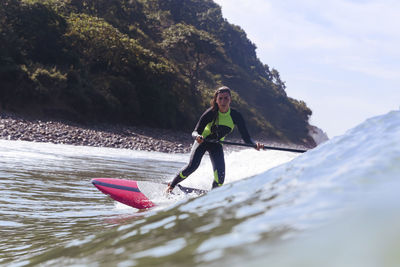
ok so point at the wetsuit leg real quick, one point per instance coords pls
(197, 154)
(218, 163)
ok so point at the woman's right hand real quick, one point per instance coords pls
(199, 139)
(169, 189)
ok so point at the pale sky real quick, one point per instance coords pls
(342, 57)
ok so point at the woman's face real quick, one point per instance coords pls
(223, 101)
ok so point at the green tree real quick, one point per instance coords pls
(41, 30)
(276, 79)
(192, 49)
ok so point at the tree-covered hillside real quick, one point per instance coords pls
(137, 62)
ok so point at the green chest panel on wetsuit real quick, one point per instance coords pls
(222, 126)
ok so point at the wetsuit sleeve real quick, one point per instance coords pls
(202, 123)
(239, 122)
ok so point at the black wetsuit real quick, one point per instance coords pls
(213, 125)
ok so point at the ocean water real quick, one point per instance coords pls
(336, 205)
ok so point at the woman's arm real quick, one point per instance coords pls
(206, 118)
(240, 123)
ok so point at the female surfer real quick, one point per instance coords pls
(215, 123)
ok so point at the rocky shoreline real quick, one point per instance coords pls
(15, 127)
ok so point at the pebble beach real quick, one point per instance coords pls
(15, 127)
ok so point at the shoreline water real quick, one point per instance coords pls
(17, 127)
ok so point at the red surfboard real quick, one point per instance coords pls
(137, 194)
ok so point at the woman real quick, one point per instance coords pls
(215, 123)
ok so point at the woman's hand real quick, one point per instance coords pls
(259, 146)
(169, 189)
(199, 139)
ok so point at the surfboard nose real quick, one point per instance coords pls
(99, 183)
(124, 191)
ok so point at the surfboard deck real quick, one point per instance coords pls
(138, 194)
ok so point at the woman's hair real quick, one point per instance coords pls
(222, 89)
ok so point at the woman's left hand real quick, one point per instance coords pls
(259, 146)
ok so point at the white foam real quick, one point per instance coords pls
(238, 165)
